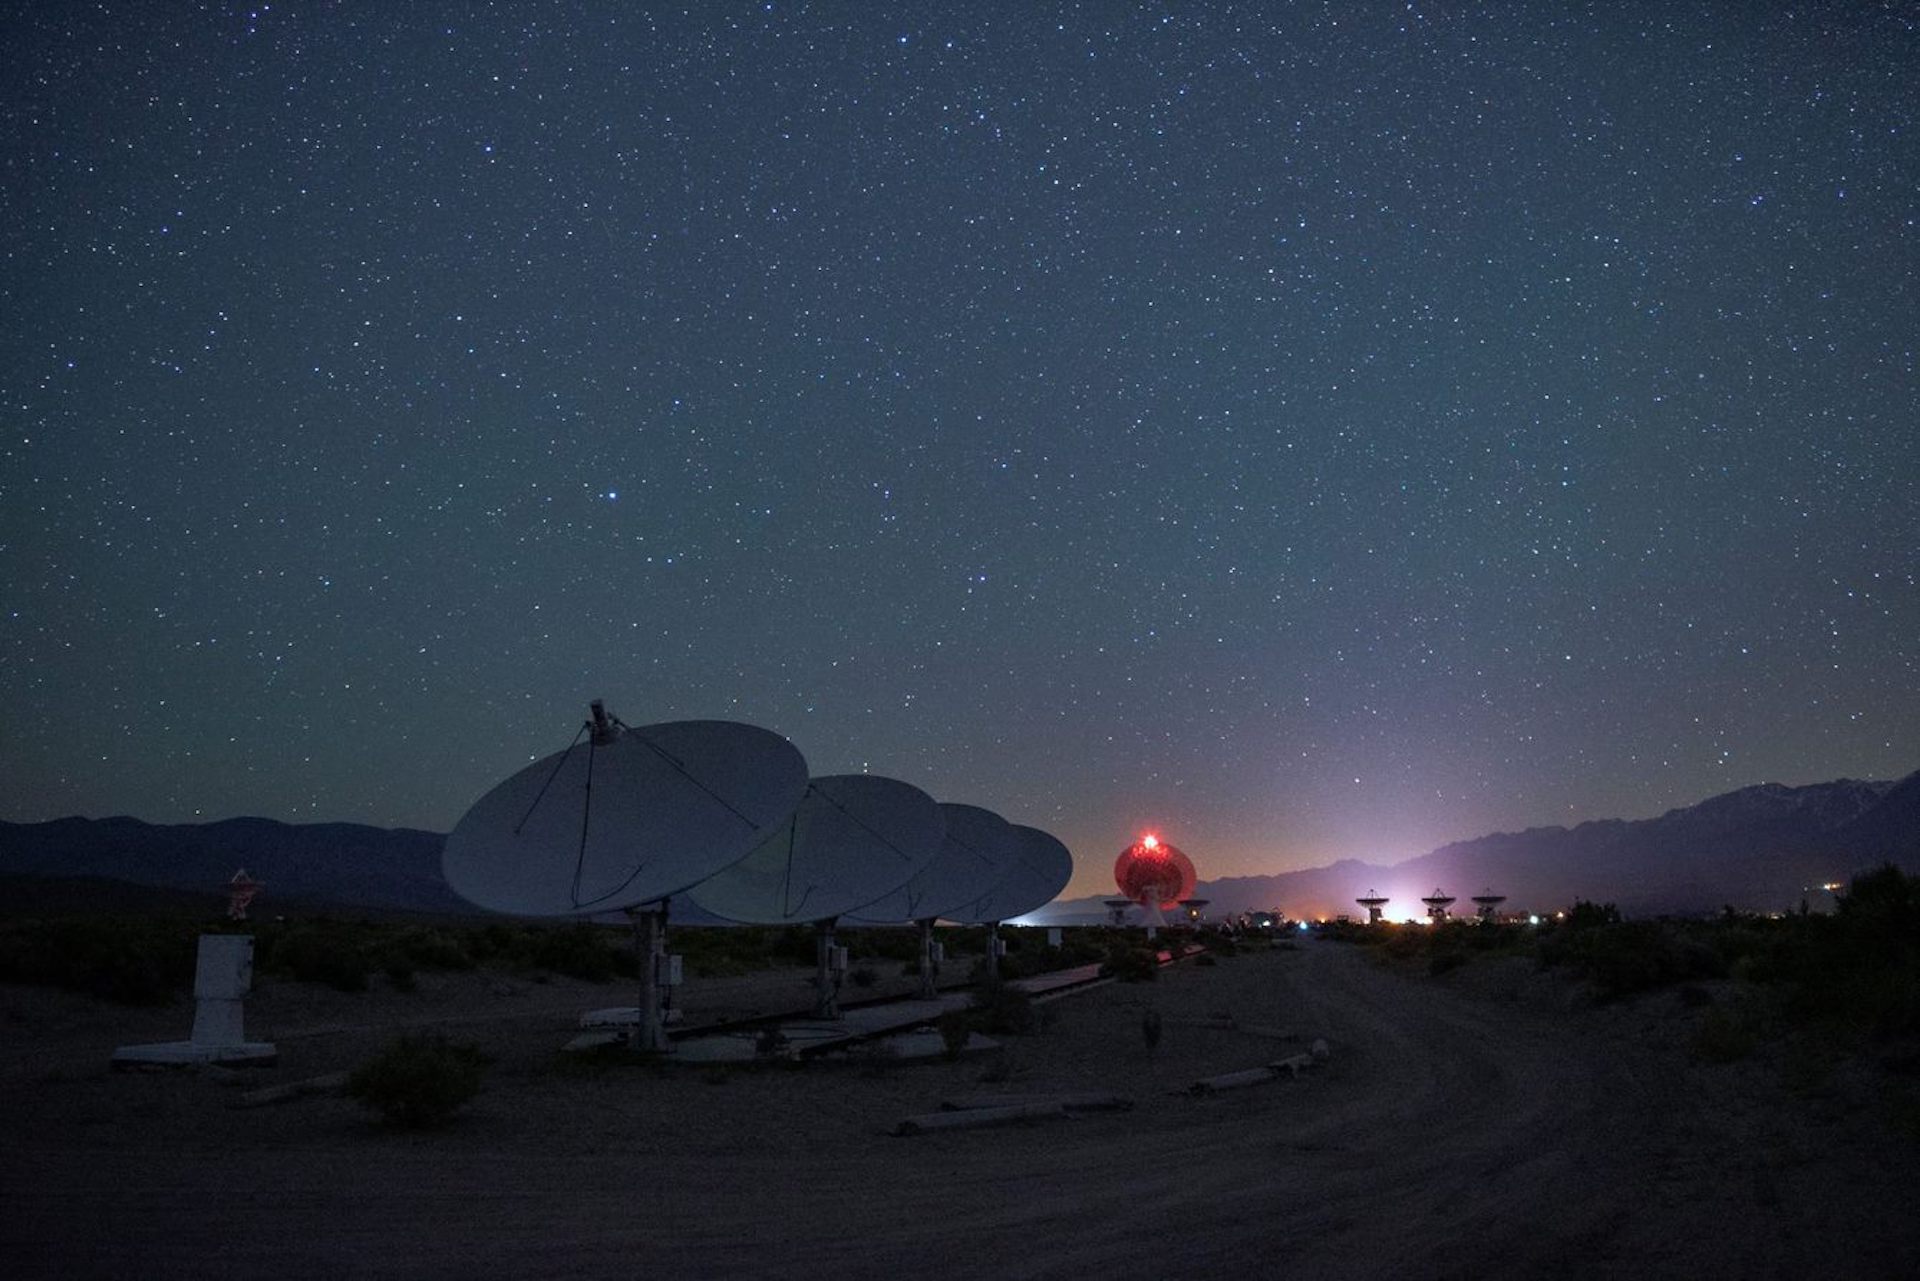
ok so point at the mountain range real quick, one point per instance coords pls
(340, 864)
(1762, 848)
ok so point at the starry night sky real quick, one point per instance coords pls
(1318, 430)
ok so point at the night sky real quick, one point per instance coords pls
(1315, 431)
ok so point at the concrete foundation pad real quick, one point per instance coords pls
(625, 1016)
(182, 1054)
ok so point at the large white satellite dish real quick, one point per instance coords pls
(624, 817)
(852, 839)
(1041, 870)
(978, 849)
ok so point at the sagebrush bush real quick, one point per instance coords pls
(956, 1028)
(1403, 942)
(1218, 942)
(1722, 1038)
(581, 951)
(1131, 964)
(1631, 956)
(428, 948)
(130, 961)
(320, 953)
(419, 1081)
(1001, 1008)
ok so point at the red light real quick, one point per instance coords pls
(1151, 841)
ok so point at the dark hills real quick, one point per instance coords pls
(1758, 849)
(345, 864)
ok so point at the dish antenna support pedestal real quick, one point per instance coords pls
(831, 962)
(929, 962)
(223, 975)
(650, 943)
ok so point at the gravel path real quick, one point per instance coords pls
(1469, 1126)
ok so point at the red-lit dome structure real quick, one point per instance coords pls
(1153, 873)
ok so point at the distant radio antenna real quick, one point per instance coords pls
(1486, 904)
(1374, 902)
(1437, 904)
(241, 891)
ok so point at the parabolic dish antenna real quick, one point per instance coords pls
(977, 850)
(624, 817)
(1154, 874)
(853, 838)
(1041, 870)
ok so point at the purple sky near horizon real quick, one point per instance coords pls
(1313, 431)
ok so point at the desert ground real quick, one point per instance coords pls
(1486, 1122)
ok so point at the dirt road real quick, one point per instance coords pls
(1465, 1127)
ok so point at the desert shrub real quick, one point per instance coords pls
(1131, 964)
(1206, 959)
(417, 1082)
(1491, 936)
(1401, 942)
(1737, 942)
(1721, 1037)
(883, 943)
(491, 941)
(1855, 973)
(1441, 962)
(964, 940)
(428, 948)
(1078, 946)
(1026, 957)
(1024, 964)
(1884, 902)
(1881, 1001)
(955, 1028)
(1584, 915)
(863, 976)
(1631, 956)
(1219, 943)
(710, 951)
(319, 953)
(131, 962)
(581, 951)
(399, 972)
(793, 945)
(1003, 1009)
